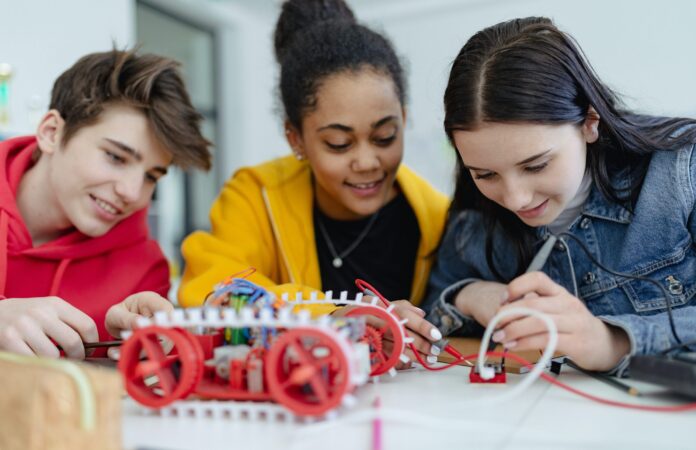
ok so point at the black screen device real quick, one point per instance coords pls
(676, 372)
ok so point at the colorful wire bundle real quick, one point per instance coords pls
(238, 293)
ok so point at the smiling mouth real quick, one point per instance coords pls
(108, 207)
(369, 185)
(533, 212)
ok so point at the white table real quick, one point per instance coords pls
(543, 417)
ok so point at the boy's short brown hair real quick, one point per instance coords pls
(148, 82)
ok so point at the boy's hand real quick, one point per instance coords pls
(123, 316)
(590, 342)
(37, 326)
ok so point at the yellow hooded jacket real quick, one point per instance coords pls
(263, 219)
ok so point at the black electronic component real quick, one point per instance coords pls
(676, 372)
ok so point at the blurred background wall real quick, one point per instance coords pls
(641, 48)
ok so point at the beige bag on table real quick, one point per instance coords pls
(48, 404)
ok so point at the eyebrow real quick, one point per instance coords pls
(338, 126)
(525, 161)
(133, 152)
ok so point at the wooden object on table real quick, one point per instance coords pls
(52, 404)
(469, 346)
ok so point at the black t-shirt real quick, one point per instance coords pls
(385, 258)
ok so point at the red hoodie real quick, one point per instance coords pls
(90, 273)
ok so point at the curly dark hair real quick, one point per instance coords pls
(315, 39)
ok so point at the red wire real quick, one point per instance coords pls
(560, 384)
(243, 273)
(363, 285)
(431, 368)
(554, 381)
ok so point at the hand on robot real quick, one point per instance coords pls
(423, 332)
(124, 316)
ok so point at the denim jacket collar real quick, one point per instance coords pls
(600, 207)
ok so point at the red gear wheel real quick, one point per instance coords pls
(381, 360)
(373, 338)
(177, 373)
(307, 371)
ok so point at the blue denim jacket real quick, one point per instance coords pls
(656, 241)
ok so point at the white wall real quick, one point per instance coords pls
(249, 125)
(42, 38)
(642, 48)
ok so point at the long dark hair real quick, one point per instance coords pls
(526, 70)
(315, 39)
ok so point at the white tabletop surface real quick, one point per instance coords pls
(439, 410)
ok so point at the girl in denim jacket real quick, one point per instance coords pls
(545, 147)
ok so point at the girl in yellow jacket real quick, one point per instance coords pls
(343, 207)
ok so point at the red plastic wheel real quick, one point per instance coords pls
(381, 360)
(154, 378)
(307, 371)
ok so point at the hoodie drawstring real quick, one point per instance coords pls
(3, 251)
(58, 276)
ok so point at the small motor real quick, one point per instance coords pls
(223, 356)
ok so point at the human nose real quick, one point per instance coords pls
(130, 186)
(365, 159)
(516, 196)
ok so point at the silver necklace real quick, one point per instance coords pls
(337, 261)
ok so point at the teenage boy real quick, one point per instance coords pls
(73, 203)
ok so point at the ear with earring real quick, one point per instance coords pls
(298, 155)
(292, 140)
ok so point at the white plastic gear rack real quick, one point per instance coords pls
(215, 317)
(212, 317)
(285, 318)
(228, 317)
(245, 318)
(237, 410)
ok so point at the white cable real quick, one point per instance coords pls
(411, 417)
(488, 372)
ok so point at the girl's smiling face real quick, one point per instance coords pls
(353, 141)
(533, 170)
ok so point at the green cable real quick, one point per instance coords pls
(85, 394)
(237, 336)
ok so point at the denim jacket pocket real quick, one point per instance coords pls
(676, 274)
